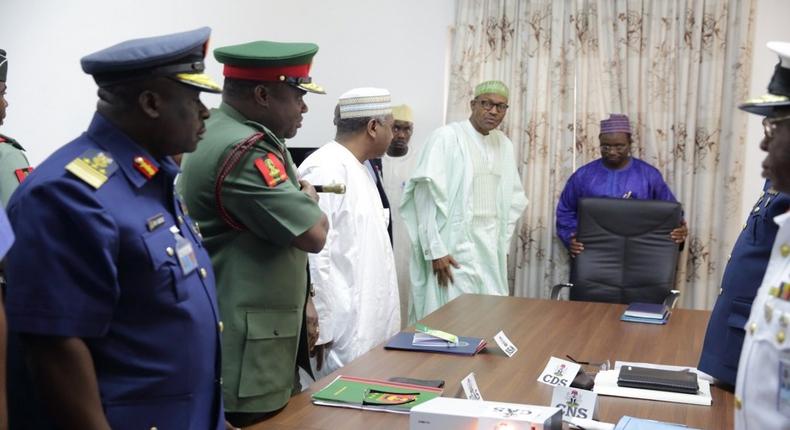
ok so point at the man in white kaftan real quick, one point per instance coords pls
(398, 165)
(356, 289)
(461, 206)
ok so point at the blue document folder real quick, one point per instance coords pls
(465, 346)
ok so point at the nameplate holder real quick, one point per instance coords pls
(469, 384)
(575, 403)
(559, 372)
(505, 344)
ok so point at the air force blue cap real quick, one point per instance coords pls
(178, 56)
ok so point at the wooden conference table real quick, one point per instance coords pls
(540, 329)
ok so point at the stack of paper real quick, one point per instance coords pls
(650, 313)
(374, 394)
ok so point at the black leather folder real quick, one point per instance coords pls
(676, 381)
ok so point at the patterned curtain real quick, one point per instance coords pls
(677, 68)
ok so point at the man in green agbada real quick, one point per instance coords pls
(461, 205)
(13, 163)
(258, 222)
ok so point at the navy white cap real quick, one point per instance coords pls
(778, 89)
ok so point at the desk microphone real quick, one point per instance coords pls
(330, 188)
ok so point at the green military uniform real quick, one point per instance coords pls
(13, 163)
(14, 167)
(261, 277)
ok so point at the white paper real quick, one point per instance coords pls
(505, 344)
(559, 372)
(574, 402)
(469, 385)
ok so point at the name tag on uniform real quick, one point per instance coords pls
(186, 254)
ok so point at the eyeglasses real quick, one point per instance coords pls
(769, 125)
(488, 105)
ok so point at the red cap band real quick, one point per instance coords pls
(266, 73)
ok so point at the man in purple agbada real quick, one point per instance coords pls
(616, 174)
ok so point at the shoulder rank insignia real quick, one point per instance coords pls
(21, 174)
(271, 169)
(93, 167)
(145, 167)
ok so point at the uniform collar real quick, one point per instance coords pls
(127, 153)
(10, 141)
(237, 116)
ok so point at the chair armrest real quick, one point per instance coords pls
(555, 290)
(672, 299)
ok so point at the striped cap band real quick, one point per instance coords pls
(365, 102)
(617, 123)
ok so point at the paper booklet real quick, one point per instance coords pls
(408, 341)
(374, 394)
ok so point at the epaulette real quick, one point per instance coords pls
(93, 166)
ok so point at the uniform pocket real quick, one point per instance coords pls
(267, 363)
(168, 276)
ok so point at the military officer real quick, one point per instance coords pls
(121, 326)
(258, 221)
(742, 276)
(13, 163)
(762, 387)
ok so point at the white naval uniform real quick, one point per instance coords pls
(762, 387)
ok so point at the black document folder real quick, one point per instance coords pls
(676, 381)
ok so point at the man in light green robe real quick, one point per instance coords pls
(461, 205)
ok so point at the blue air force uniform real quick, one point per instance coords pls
(742, 276)
(108, 253)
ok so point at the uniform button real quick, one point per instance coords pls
(180, 219)
(752, 327)
(721, 290)
(220, 381)
(729, 256)
(744, 226)
(784, 320)
(784, 250)
(276, 333)
(169, 250)
(203, 272)
(769, 312)
(221, 327)
(780, 337)
(738, 404)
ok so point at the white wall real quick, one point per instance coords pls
(399, 45)
(771, 24)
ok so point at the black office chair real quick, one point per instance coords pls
(628, 255)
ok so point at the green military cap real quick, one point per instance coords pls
(3, 66)
(267, 61)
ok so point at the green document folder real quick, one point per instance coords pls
(374, 394)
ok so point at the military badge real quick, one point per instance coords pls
(272, 170)
(93, 166)
(145, 167)
(21, 174)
